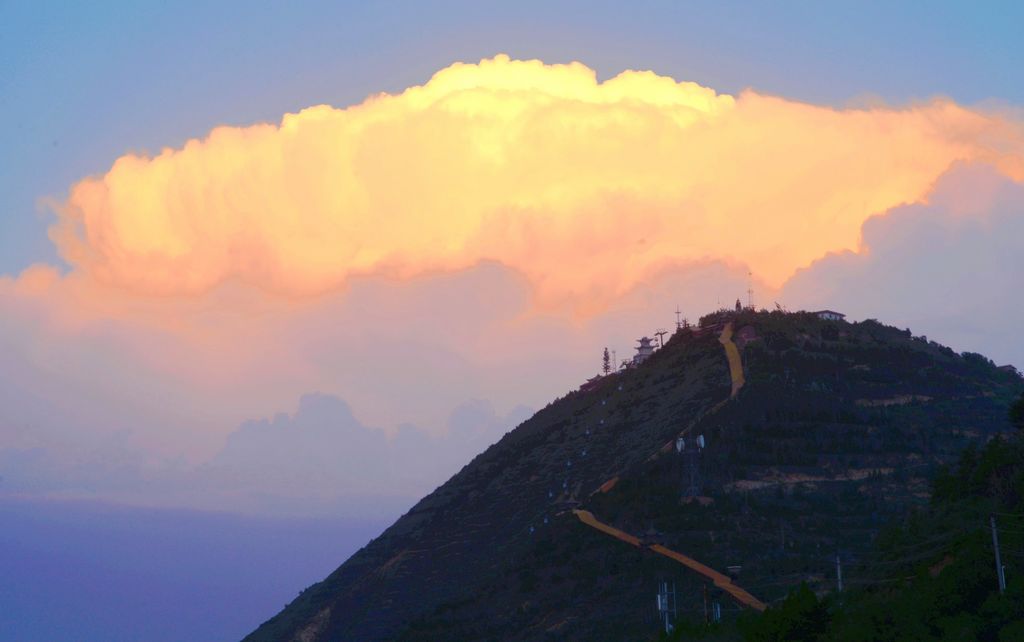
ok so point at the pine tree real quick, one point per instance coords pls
(1016, 411)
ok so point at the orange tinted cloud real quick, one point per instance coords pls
(585, 187)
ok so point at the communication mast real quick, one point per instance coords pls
(750, 289)
(691, 450)
(667, 605)
(679, 322)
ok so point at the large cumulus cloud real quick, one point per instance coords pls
(585, 187)
(482, 236)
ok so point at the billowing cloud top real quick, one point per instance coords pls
(585, 187)
(482, 236)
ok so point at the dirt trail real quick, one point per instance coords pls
(732, 353)
(721, 581)
(588, 518)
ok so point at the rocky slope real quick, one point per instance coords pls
(818, 433)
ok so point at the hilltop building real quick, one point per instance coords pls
(643, 351)
(829, 315)
(1011, 370)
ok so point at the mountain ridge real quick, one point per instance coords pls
(817, 407)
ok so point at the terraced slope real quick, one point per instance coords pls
(833, 426)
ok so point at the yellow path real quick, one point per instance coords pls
(732, 353)
(721, 581)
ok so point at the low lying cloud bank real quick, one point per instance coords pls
(951, 268)
(319, 460)
(324, 451)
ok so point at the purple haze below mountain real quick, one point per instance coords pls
(91, 571)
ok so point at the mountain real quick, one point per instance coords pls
(816, 433)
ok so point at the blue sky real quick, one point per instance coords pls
(82, 83)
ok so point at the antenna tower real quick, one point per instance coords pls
(667, 604)
(690, 449)
(750, 289)
(679, 323)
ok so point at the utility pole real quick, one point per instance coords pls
(661, 337)
(999, 561)
(839, 574)
(706, 621)
(675, 615)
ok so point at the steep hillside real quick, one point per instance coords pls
(932, 575)
(816, 432)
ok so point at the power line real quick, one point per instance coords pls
(905, 560)
(949, 535)
(887, 580)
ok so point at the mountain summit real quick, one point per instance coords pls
(732, 464)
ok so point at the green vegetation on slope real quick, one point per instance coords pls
(920, 589)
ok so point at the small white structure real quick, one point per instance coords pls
(643, 351)
(829, 315)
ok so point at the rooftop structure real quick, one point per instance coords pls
(1011, 369)
(643, 351)
(829, 315)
